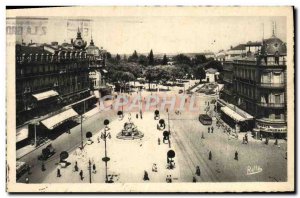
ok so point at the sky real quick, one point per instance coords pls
(167, 35)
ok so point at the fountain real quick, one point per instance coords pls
(130, 131)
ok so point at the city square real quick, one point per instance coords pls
(85, 114)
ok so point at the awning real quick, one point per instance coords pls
(234, 115)
(44, 95)
(58, 119)
(22, 133)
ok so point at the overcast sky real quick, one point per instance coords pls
(162, 34)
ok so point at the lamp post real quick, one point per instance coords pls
(104, 136)
(81, 131)
(90, 170)
(35, 136)
(169, 128)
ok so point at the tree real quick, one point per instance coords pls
(182, 59)
(125, 57)
(108, 55)
(199, 59)
(199, 73)
(143, 60)
(118, 58)
(151, 58)
(164, 60)
(134, 57)
(151, 74)
(213, 64)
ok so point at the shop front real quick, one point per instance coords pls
(236, 119)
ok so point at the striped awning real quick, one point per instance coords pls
(234, 115)
(22, 133)
(58, 119)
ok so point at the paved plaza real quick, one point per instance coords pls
(129, 159)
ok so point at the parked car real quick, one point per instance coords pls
(205, 119)
(21, 168)
(47, 152)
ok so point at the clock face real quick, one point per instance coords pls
(78, 42)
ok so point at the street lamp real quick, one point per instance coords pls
(35, 136)
(90, 170)
(169, 128)
(104, 136)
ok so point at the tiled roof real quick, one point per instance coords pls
(239, 47)
(30, 50)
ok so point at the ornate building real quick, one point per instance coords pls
(97, 60)
(257, 98)
(51, 79)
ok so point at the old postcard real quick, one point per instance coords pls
(150, 99)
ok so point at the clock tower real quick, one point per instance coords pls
(79, 43)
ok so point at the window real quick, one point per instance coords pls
(277, 114)
(277, 99)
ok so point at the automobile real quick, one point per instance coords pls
(21, 168)
(205, 119)
(47, 152)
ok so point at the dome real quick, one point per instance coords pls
(273, 45)
(92, 49)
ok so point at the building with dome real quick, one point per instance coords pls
(97, 58)
(257, 99)
(52, 86)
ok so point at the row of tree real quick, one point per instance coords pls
(153, 69)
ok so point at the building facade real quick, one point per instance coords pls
(97, 67)
(256, 85)
(51, 78)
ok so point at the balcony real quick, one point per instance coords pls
(272, 105)
(272, 85)
(251, 62)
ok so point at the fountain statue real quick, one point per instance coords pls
(130, 131)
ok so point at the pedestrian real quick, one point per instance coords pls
(154, 168)
(98, 139)
(246, 138)
(137, 116)
(76, 167)
(208, 129)
(28, 170)
(236, 156)
(261, 137)
(141, 114)
(194, 179)
(111, 179)
(170, 178)
(208, 103)
(276, 142)
(198, 171)
(167, 179)
(212, 129)
(27, 180)
(158, 140)
(202, 136)
(146, 177)
(58, 173)
(267, 141)
(43, 167)
(210, 155)
(81, 175)
(94, 169)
